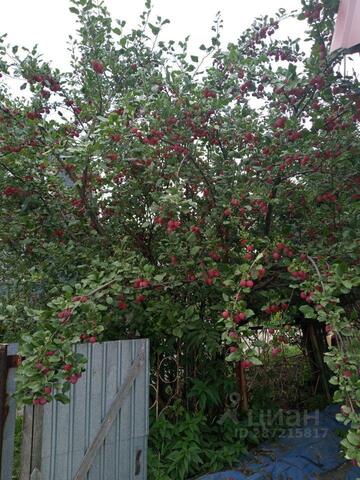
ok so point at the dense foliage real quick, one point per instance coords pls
(150, 192)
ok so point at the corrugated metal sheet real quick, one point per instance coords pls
(68, 430)
(7, 457)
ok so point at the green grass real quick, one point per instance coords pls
(17, 449)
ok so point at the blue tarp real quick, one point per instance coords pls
(302, 454)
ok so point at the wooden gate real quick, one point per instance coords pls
(102, 433)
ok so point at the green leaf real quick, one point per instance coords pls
(255, 360)
(348, 284)
(353, 438)
(74, 10)
(308, 311)
(177, 332)
(196, 249)
(60, 397)
(155, 30)
(160, 277)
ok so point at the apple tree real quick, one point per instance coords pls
(191, 199)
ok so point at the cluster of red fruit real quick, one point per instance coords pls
(245, 364)
(34, 115)
(78, 205)
(121, 302)
(248, 256)
(73, 378)
(71, 131)
(326, 197)
(211, 275)
(153, 138)
(300, 275)
(42, 400)
(84, 337)
(140, 298)
(173, 225)
(276, 308)
(46, 81)
(249, 137)
(119, 178)
(290, 159)
(245, 87)
(141, 283)
(246, 283)
(58, 233)
(10, 191)
(207, 93)
(261, 206)
(307, 296)
(180, 149)
(318, 82)
(238, 317)
(282, 249)
(115, 137)
(266, 30)
(65, 315)
(13, 148)
(282, 54)
(98, 66)
(280, 122)
(314, 14)
(195, 229)
(70, 103)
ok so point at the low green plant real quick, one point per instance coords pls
(183, 445)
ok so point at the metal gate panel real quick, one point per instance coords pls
(68, 430)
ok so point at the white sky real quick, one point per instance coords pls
(49, 22)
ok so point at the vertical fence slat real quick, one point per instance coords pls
(7, 410)
(80, 393)
(26, 446)
(37, 438)
(111, 387)
(125, 417)
(95, 405)
(31, 448)
(3, 380)
(141, 408)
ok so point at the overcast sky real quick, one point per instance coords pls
(49, 22)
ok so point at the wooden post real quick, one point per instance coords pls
(32, 443)
(318, 355)
(242, 385)
(3, 379)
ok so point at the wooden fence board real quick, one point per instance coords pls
(8, 434)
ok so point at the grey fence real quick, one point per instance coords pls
(102, 433)
(8, 363)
